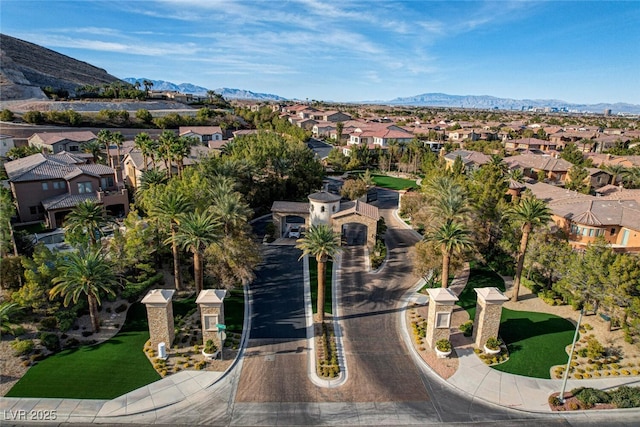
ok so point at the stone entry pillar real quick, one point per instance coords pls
(488, 312)
(160, 316)
(439, 314)
(211, 313)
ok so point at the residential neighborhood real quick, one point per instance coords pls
(198, 215)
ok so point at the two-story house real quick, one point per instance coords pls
(204, 134)
(536, 166)
(614, 217)
(47, 187)
(472, 160)
(56, 142)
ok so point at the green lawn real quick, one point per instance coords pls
(103, 371)
(536, 342)
(394, 183)
(313, 279)
(480, 277)
(234, 310)
(115, 367)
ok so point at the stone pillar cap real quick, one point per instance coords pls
(442, 295)
(211, 296)
(158, 296)
(491, 294)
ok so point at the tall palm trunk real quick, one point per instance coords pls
(322, 267)
(176, 260)
(526, 229)
(93, 313)
(446, 257)
(197, 271)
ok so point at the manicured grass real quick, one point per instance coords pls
(103, 371)
(480, 277)
(536, 342)
(313, 279)
(234, 310)
(394, 183)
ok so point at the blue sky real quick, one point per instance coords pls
(582, 52)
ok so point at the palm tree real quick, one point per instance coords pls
(117, 139)
(84, 273)
(616, 171)
(165, 141)
(321, 242)
(452, 237)
(169, 207)
(631, 177)
(7, 310)
(94, 148)
(531, 213)
(196, 232)
(231, 211)
(143, 142)
(87, 217)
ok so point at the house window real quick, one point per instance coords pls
(443, 319)
(333, 209)
(33, 210)
(58, 185)
(210, 322)
(322, 209)
(106, 182)
(74, 148)
(85, 187)
(45, 186)
(591, 232)
(613, 231)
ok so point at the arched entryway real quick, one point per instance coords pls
(354, 234)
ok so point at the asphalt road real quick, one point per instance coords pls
(270, 386)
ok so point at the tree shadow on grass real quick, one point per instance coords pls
(513, 330)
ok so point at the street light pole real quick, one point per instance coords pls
(573, 346)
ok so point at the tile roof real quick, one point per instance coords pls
(39, 167)
(290, 207)
(200, 130)
(539, 162)
(359, 208)
(51, 138)
(67, 200)
(619, 208)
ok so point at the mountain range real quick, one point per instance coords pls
(26, 68)
(484, 102)
(202, 91)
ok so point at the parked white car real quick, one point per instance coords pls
(294, 233)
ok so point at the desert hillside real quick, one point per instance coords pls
(26, 67)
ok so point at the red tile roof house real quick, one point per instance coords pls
(532, 165)
(47, 187)
(377, 135)
(615, 216)
(56, 142)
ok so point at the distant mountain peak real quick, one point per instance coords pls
(189, 88)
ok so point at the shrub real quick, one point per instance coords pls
(49, 323)
(493, 343)
(22, 347)
(626, 397)
(467, 328)
(595, 350)
(121, 308)
(591, 396)
(554, 401)
(50, 341)
(87, 333)
(443, 345)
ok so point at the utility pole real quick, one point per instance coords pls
(573, 346)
